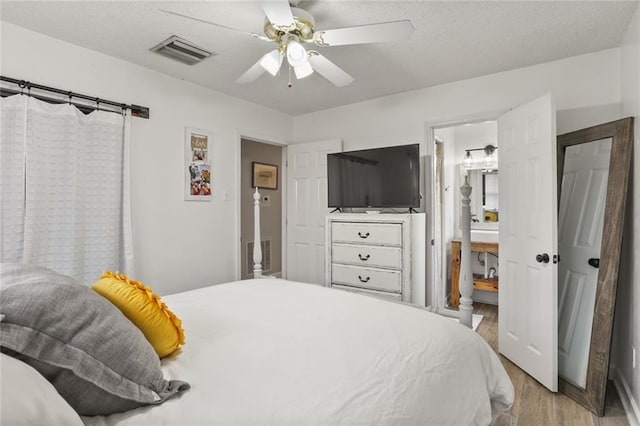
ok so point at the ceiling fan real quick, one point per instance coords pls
(291, 27)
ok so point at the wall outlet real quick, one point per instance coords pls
(633, 357)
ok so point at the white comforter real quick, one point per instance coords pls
(283, 353)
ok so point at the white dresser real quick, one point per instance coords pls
(377, 254)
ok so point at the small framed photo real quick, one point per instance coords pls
(197, 145)
(264, 176)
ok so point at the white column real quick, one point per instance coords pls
(466, 279)
(257, 247)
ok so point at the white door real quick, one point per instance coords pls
(306, 207)
(528, 298)
(582, 202)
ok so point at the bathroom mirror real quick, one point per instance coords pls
(593, 174)
(484, 197)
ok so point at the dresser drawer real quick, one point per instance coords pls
(376, 279)
(369, 256)
(367, 233)
(379, 294)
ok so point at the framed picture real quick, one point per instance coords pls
(198, 173)
(264, 176)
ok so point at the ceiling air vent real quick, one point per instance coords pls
(181, 50)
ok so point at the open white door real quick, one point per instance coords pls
(306, 207)
(528, 296)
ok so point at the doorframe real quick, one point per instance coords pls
(436, 285)
(269, 140)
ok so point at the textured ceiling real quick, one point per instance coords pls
(452, 41)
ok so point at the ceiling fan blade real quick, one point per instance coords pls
(373, 33)
(251, 74)
(329, 70)
(255, 35)
(278, 12)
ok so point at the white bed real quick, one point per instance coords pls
(272, 351)
(266, 352)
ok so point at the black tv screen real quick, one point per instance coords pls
(381, 177)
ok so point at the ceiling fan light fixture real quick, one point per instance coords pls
(303, 70)
(296, 53)
(272, 61)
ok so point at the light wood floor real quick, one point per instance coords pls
(534, 404)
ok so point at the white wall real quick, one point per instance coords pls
(627, 320)
(178, 245)
(582, 83)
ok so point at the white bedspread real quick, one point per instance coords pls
(284, 353)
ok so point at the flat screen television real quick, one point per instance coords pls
(380, 177)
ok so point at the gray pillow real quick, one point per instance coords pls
(97, 359)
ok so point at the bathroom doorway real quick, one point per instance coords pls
(466, 150)
(256, 154)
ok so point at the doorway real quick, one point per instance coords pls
(527, 236)
(253, 155)
(460, 151)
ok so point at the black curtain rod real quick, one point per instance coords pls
(4, 92)
(136, 110)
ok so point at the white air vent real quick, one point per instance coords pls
(266, 256)
(181, 50)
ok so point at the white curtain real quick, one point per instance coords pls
(65, 188)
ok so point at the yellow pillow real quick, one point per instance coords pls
(145, 309)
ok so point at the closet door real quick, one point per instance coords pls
(528, 298)
(306, 207)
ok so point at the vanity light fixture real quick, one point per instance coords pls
(467, 163)
(488, 162)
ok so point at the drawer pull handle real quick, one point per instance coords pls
(364, 258)
(363, 236)
(366, 280)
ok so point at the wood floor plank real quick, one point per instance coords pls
(612, 417)
(517, 377)
(535, 405)
(568, 412)
(612, 399)
(504, 419)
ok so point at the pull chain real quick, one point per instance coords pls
(290, 84)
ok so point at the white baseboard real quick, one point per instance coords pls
(628, 402)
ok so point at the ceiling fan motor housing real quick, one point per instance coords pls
(303, 27)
